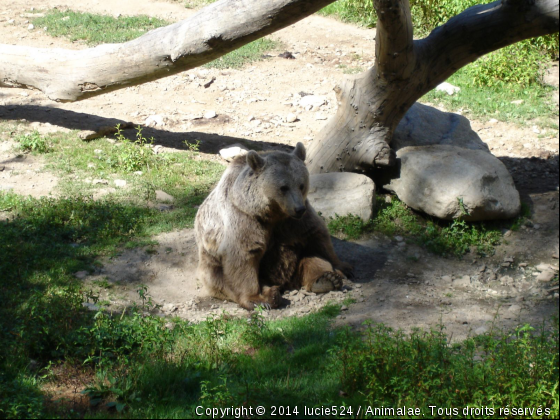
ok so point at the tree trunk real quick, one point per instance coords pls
(66, 75)
(370, 106)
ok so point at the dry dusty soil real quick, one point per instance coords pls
(396, 283)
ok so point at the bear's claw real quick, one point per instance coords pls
(327, 282)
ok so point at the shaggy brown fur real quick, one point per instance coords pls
(258, 235)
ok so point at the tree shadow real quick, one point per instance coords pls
(209, 142)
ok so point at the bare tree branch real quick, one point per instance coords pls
(371, 106)
(67, 75)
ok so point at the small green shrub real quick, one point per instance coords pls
(518, 64)
(355, 11)
(33, 142)
(133, 156)
(493, 370)
(352, 227)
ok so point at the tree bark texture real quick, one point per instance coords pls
(67, 75)
(358, 138)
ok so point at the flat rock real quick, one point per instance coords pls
(448, 88)
(155, 121)
(312, 101)
(424, 125)
(342, 194)
(163, 197)
(433, 179)
(546, 276)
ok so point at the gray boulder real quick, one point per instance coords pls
(424, 126)
(342, 194)
(433, 178)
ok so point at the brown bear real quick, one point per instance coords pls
(257, 234)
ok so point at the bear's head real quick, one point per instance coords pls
(279, 183)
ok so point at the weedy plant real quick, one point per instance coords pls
(133, 155)
(33, 142)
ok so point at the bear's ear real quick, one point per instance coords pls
(255, 161)
(300, 152)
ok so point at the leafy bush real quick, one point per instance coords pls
(423, 369)
(519, 64)
(355, 11)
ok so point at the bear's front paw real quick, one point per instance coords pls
(328, 282)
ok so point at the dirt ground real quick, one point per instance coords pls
(396, 283)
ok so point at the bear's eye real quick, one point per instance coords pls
(285, 189)
(301, 187)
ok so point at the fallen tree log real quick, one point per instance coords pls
(68, 75)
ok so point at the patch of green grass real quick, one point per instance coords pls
(141, 366)
(194, 4)
(96, 29)
(354, 11)
(33, 142)
(440, 237)
(486, 102)
(86, 168)
(350, 70)
(247, 54)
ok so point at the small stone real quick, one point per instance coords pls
(344, 308)
(163, 197)
(399, 238)
(81, 275)
(291, 118)
(120, 183)
(544, 267)
(31, 26)
(210, 114)
(320, 117)
(100, 182)
(448, 88)
(447, 279)
(155, 121)
(546, 276)
(514, 308)
(481, 330)
(98, 152)
(518, 102)
(169, 307)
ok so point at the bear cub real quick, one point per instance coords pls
(257, 234)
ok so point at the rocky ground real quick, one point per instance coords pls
(262, 106)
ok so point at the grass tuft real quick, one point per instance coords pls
(96, 29)
(440, 237)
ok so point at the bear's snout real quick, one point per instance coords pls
(300, 211)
